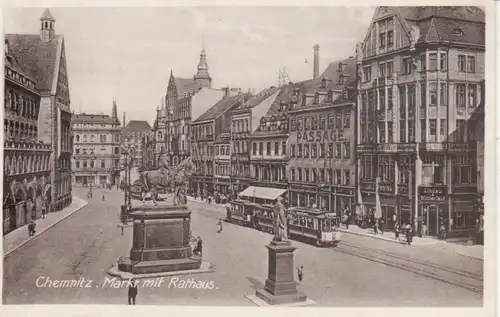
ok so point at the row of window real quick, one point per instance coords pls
(19, 130)
(223, 170)
(81, 126)
(240, 125)
(321, 150)
(103, 138)
(93, 164)
(336, 120)
(433, 169)
(25, 164)
(274, 150)
(223, 150)
(372, 133)
(21, 104)
(428, 62)
(92, 151)
(321, 175)
(199, 131)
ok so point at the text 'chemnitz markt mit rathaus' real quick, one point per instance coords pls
(402, 122)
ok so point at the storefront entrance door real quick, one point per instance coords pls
(432, 220)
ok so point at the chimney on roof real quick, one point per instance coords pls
(124, 119)
(114, 113)
(48, 22)
(316, 61)
(226, 92)
(6, 47)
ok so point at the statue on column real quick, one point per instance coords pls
(280, 221)
(414, 35)
(359, 53)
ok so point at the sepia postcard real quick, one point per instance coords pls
(229, 159)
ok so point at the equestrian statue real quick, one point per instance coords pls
(165, 177)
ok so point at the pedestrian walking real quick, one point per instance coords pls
(199, 247)
(381, 225)
(396, 232)
(219, 226)
(409, 234)
(132, 292)
(103, 198)
(375, 227)
(300, 272)
(31, 228)
(44, 210)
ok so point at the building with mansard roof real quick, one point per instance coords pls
(43, 59)
(420, 70)
(96, 148)
(322, 168)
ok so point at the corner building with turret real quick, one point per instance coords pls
(420, 87)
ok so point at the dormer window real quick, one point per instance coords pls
(330, 95)
(296, 91)
(341, 79)
(340, 68)
(316, 98)
(458, 31)
(323, 83)
(304, 100)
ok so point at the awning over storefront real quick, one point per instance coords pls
(262, 192)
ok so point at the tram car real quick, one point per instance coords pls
(313, 226)
(309, 225)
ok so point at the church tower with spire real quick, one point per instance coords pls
(47, 31)
(202, 76)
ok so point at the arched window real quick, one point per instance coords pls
(84, 138)
(46, 24)
(77, 138)
(77, 164)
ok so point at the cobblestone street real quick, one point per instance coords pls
(84, 246)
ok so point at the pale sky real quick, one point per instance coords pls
(127, 53)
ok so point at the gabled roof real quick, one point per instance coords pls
(93, 118)
(258, 98)
(222, 106)
(137, 126)
(37, 57)
(186, 85)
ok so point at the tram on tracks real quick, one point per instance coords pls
(310, 225)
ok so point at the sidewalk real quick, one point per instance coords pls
(19, 237)
(475, 251)
(389, 236)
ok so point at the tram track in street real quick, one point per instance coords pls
(464, 279)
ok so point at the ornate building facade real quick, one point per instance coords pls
(96, 149)
(134, 137)
(419, 84)
(43, 59)
(322, 166)
(185, 101)
(26, 177)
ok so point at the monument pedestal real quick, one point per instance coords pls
(160, 241)
(280, 287)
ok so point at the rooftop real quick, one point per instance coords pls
(37, 57)
(93, 118)
(137, 126)
(222, 106)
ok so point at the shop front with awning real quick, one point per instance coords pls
(262, 194)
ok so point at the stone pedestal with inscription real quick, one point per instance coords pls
(280, 287)
(161, 241)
